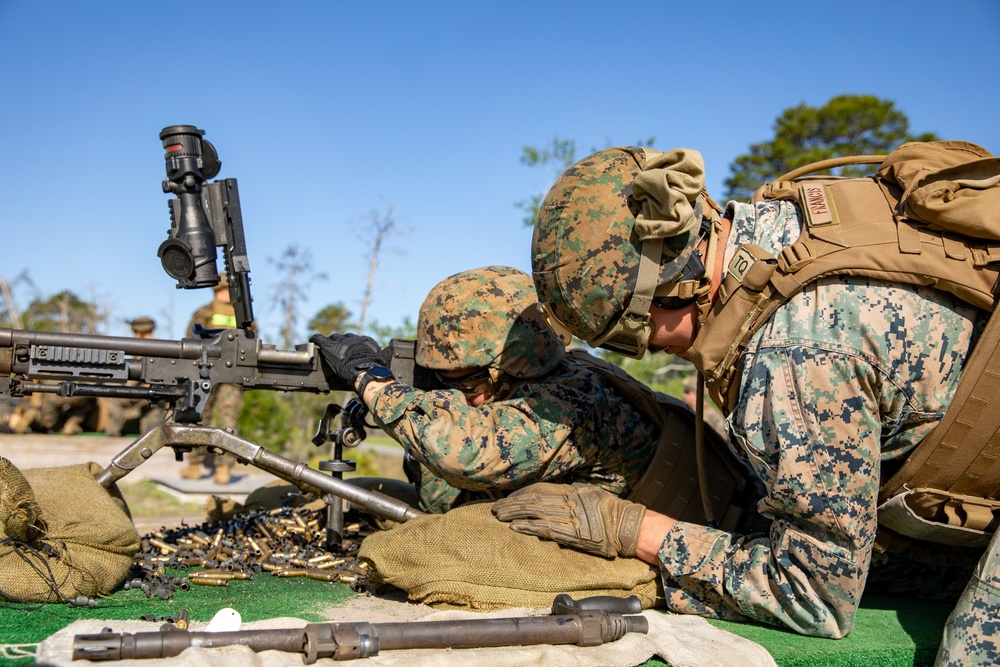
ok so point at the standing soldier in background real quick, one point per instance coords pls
(117, 412)
(226, 400)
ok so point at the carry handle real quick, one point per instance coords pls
(832, 163)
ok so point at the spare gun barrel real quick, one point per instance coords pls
(346, 641)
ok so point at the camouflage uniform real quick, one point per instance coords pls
(835, 389)
(972, 634)
(848, 375)
(548, 418)
(569, 427)
(224, 404)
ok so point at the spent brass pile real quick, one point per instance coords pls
(286, 542)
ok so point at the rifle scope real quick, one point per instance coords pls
(189, 255)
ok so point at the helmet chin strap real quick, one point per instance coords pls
(704, 292)
(502, 386)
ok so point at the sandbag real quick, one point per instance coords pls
(467, 559)
(62, 535)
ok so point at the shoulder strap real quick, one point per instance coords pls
(692, 477)
(850, 228)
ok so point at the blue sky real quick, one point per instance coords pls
(325, 111)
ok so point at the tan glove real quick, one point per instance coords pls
(581, 516)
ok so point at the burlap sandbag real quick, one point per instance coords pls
(467, 559)
(62, 534)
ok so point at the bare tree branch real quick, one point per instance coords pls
(381, 226)
(296, 265)
(11, 312)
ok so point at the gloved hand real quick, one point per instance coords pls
(581, 516)
(346, 356)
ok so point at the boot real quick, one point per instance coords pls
(191, 471)
(222, 474)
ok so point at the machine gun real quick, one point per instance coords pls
(204, 216)
(587, 622)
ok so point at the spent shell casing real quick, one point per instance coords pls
(221, 575)
(300, 572)
(327, 565)
(209, 581)
(163, 546)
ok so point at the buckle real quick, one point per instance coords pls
(794, 257)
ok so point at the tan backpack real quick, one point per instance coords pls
(930, 216)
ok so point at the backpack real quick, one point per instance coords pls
(929, 216)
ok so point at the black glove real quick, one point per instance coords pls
(346, 356)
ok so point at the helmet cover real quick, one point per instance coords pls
(486, 317)
(584, 249)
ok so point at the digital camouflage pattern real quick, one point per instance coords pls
(847, 375)
(567, 427)
(486, 317)
(584, 255)
(972, 633)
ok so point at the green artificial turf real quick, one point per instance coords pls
(889, 632)
(264, 596)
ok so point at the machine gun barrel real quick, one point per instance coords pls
(182, 372)
(15, 344)
(572, 623)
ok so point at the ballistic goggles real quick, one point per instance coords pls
(475, 382)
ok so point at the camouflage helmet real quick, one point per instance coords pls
(591, 235)
(486, 317)
(223, 282)
(143, 325)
